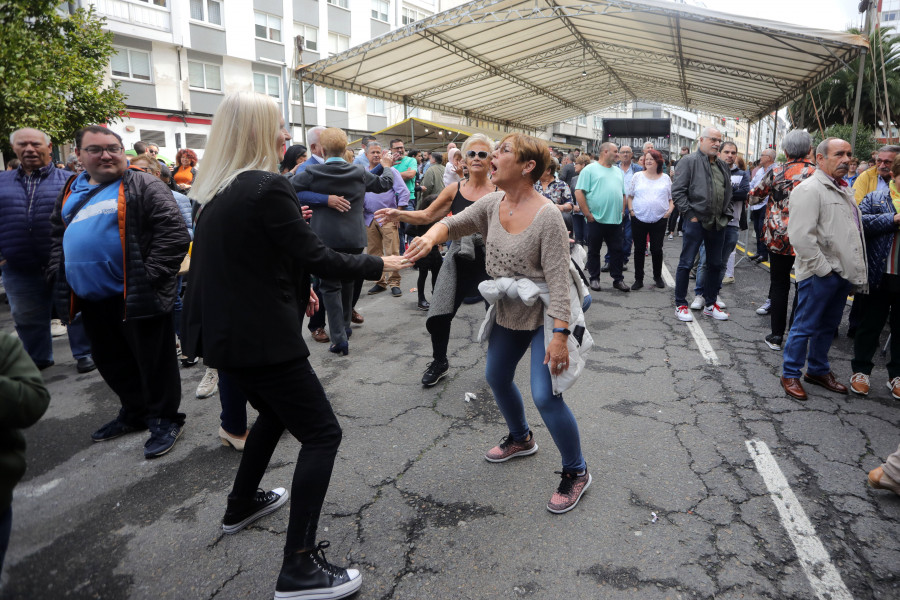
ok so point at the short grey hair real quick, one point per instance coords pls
(313, 136)
(372, 144)
(796, 143)
(480, 138)
(893, 149)
(707, 131)
(822, 148)
(770, 153)
(12, 136)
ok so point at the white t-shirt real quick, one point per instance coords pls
(651, 196)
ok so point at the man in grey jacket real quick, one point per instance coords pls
(702, 193)
(825, 230)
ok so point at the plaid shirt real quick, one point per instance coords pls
(777, 184)
(32, 181)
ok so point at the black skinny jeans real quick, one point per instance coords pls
(289, 396)
(469, 273)
(430, 264)
(881, 301)
(780, 266)
(640, 231)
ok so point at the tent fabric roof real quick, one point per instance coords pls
(530, 63)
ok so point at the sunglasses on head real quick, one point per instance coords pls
(480, 154)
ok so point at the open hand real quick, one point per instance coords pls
(339, 203)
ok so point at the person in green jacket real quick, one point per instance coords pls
(23, 400)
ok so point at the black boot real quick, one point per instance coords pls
(310, 573)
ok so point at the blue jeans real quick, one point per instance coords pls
(579, 227)
(695, 236)
(30, 302)
(234, 405)
(728, 246)
(819, 311)
(626, 240)
(505, 349)
(758, 217)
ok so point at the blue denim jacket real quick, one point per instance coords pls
(879, 229)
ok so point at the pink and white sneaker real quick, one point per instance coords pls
(509, 448)
(569, 491)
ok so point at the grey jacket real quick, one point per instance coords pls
(825, 231)
(692, 191)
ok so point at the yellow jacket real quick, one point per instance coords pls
(865, 183)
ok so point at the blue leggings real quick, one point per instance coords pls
(505, 349)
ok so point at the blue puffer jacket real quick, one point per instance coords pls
(879, 228)
(24, 230)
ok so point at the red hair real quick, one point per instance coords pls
(186, 152)
(657, 156)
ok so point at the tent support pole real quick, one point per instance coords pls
(303, 117)
(748, 141)
(859, 82)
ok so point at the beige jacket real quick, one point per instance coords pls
(825, 228)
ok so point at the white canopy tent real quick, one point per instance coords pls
(526, 64)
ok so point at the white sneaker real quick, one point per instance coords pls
(727, 279)
(697, 304)
(716, 312)
(670, 236)
(683, 313)
(680, 234)
(209, 385)
(720, 303)
(57, 328)
(764, 309)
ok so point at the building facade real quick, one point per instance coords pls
(176, 59)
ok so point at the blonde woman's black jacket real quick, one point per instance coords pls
(154, 243)
(249, 281)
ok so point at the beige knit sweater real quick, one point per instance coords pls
(541, 252)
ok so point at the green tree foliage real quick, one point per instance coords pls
(835, 97)
(865, 138)
(51, 69)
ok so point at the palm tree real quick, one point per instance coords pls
(835, 97)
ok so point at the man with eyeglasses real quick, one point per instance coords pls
(702, 192)
(878, 177)
(118, 239)
(27, 197)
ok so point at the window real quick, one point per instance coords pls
(310, 36)
(409, 15)
(375, 106)
(267, 84)
(268, 27)
(204, 76)
(341, 3)
(890, 15)
(207, 10)
(197, 141)
(582, 120)
(161, 3)
(335, 98)
(129, 63)
(153, 136)
(309, 92)
(337, 43)
(380, 9)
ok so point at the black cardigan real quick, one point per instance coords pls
(249, 281)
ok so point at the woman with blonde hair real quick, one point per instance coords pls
(250, 268)
(527, 249)
(463, 268)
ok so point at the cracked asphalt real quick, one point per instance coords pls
(417, 509)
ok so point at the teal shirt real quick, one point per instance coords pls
(604, 188)
(405, 164)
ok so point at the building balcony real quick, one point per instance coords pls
(136, 12)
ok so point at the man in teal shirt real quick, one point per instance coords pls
(600, 193)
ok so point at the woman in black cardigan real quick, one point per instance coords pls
(252, 258)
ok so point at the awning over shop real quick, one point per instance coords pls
(529, 63)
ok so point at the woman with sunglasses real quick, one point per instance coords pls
(463, 267)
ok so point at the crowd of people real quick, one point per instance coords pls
(225, 259)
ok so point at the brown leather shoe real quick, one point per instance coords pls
(880, 481)
(859, 384)
(793, 387)
(356, 318)
(829, 382)
(320, 336)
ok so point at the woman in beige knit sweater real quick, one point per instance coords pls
(524, 238)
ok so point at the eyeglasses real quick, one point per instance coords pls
(480, 154)
(113, 150)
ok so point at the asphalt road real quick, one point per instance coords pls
(417, 509)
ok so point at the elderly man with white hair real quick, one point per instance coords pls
(702, 193)
(27, 197)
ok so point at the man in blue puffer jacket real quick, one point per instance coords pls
(27, 197)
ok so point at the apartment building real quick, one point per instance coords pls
(176, 59)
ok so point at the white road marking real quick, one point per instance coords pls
(814, 558)
(702, 342)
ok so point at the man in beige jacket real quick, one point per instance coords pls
(825, 229)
